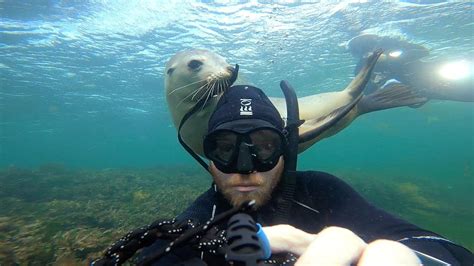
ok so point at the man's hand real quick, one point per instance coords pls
(286, 238)
(337, 246)
(388, 253)
(333, 246)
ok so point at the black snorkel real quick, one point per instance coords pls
(199, 105)
(288, 182)
(292, 124)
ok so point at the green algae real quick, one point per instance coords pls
(441, 208)
(53, 215)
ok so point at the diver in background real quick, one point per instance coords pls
(402, 64)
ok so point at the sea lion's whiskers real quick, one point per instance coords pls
(212, 88)
(182, 87)
(208, 93)
(191, 94)
(221, 87)
(218, 88)
(208, 87)
(211, 91)
(205, 87)
(196, 92)
(226, 85)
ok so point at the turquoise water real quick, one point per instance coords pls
(81, 86)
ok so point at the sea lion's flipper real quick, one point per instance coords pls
(320, 125)
(355, 88)
(391, 96)
(357, 85)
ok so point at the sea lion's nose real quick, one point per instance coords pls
(234, 71)
(231, 69)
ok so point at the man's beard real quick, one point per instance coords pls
(236, 198)
(261, 195)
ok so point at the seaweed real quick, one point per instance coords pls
(54, 215)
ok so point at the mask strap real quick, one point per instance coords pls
(181, 141)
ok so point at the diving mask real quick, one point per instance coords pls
(235, 151)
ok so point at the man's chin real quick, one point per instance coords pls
(237, 198)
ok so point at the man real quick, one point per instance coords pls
(328, 222)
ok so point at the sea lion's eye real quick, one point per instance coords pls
(194, 64)
(170, 71)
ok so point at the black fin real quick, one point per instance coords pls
(393, 95)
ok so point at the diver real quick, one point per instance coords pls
(306, 216)
(403, 64)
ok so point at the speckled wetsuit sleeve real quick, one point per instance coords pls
(199, 211)
(340, 205)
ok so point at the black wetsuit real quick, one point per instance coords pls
(331, 202)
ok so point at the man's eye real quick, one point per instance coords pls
(226, 147)
(265, 145)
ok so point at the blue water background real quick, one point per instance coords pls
(81, 82)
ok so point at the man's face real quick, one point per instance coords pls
(238, 188)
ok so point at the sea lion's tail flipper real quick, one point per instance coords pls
(391, 96)
(357, 85)
(322, 124)
(355, 88)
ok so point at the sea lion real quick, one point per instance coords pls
(192, 76)
(402, 63)
(201, 75)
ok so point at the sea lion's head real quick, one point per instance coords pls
(195, 75)
(397, 51)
